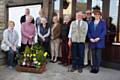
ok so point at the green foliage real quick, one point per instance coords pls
(37, 47)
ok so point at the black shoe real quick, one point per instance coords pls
(94, 71)
(85, 66)
(65, 64)
(97, 70)
(72, 69)
(80, 70)
(51, 61)
(60, 63)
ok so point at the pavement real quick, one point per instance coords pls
(58, 72)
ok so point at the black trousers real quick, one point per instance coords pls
(23, 46)
(96, 57)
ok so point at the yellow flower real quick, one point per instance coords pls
(34, 54)
(30, 55)
(45, 54)
(34, 59)
(24, 55)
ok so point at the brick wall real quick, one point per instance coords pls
(2, 17)
(46, 5)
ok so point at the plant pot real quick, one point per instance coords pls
(31, 69)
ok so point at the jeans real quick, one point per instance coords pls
(11, 56)
(78, 55)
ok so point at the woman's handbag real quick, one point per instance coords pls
(4, 46)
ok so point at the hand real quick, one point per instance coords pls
(92, 40)
(30, 36)
(43, 39)
(69, 43)
(13, 48)
(52, 38)
(97, 39)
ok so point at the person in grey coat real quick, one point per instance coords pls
(10, 38)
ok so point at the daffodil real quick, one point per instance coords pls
(24, 55)
(34, 54)
(34, 59)
(30, 55)
(45, 54)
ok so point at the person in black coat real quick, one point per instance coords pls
(111, 30)
(87, 58)
(64, 40)
(23, 18)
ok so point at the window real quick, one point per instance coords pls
(69, 8)
(57, 6)
(81, 5)
(114, 14)
(98, 3)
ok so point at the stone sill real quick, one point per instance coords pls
(116, 44)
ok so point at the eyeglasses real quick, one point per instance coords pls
(96, 14)
(88, 13)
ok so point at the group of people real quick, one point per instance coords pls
(69, 37)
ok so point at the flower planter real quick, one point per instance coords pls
(32, 60)
(31, 69)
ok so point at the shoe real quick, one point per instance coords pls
(54, 61)
(65, 64)
(80, 70)
(10, 67)
(72, 69)
(94, 71)
(97, 70)
(60, 63)
(51, 61)
(85, 66)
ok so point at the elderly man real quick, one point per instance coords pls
(77, 36)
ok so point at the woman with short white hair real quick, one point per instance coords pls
(10, 38)
(27, 33)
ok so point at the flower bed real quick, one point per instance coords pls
(32, 60)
